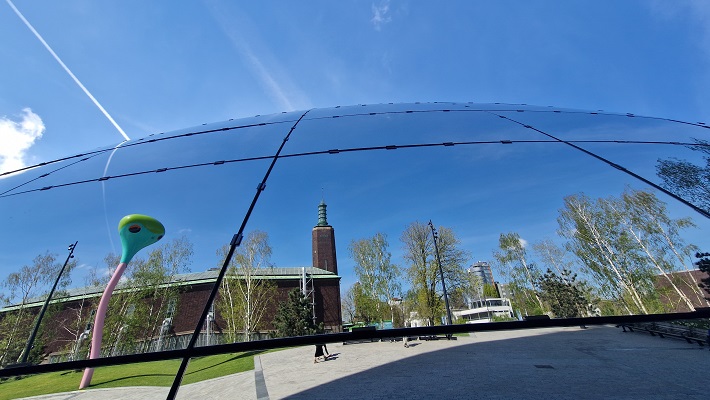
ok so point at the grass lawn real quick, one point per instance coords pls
(159, 373)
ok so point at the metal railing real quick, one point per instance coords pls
(269, 344)
(168, 343)
(691, 334)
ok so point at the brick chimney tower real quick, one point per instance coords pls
(324, 243)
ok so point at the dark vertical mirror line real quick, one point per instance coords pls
(26, 352)
(233, 244)
(699, 210)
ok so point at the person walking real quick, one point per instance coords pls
(321, 351)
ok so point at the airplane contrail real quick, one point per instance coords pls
(56, 57)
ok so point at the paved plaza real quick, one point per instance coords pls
(550, 363)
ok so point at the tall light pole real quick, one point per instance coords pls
(30, 341)
(441, 272)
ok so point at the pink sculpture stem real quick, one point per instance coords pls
(136, 231)
(99, 323)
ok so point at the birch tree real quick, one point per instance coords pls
(552, 256)
(605, 252)
(423, 271)
(145, 301)
(645, 218)
(245, 295)
(379, 279)
(513, 262)
(29, 283)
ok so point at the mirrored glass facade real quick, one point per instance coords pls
(479, 170)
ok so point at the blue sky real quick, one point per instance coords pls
(156, 67)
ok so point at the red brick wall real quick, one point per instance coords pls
(323, 244)
(62, 323)
(327, 297)
(683, 281)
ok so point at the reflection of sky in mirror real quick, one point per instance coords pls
(499, 177)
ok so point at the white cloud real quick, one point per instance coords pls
(379, 14)
(523, 242)
(17, 137)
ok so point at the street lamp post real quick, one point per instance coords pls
(30, 341)
(441, 272)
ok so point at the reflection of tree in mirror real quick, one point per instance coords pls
(688, 180)
(21, 288)
(146, 301)
(378, 279)
(347, 305)
(423, 271)
(490, 291)
(522, 275)
(562, 295)
(244, 295)
(77, 323)
(629, 245)
(630, 255)
(294, 317)
(471, 288)
(552, 256)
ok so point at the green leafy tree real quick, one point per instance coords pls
(145, 302)
(562, 295)
(423, 271)
(471, 288)
(607, 252)
(490, 291)
(22, 287)
(379, 279)
(244, 295)
(552, 256)
(75, 323)
(522, 274)
(294, 318)
(367, 307)
(657, 237)
(627, 244)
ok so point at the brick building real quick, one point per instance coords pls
(694, 284)
(319, 282)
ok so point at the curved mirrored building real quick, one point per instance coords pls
(599, 188)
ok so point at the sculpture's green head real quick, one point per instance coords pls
(138, 231)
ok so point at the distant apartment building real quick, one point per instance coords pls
(483, 270)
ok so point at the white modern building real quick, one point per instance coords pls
(486, 310)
